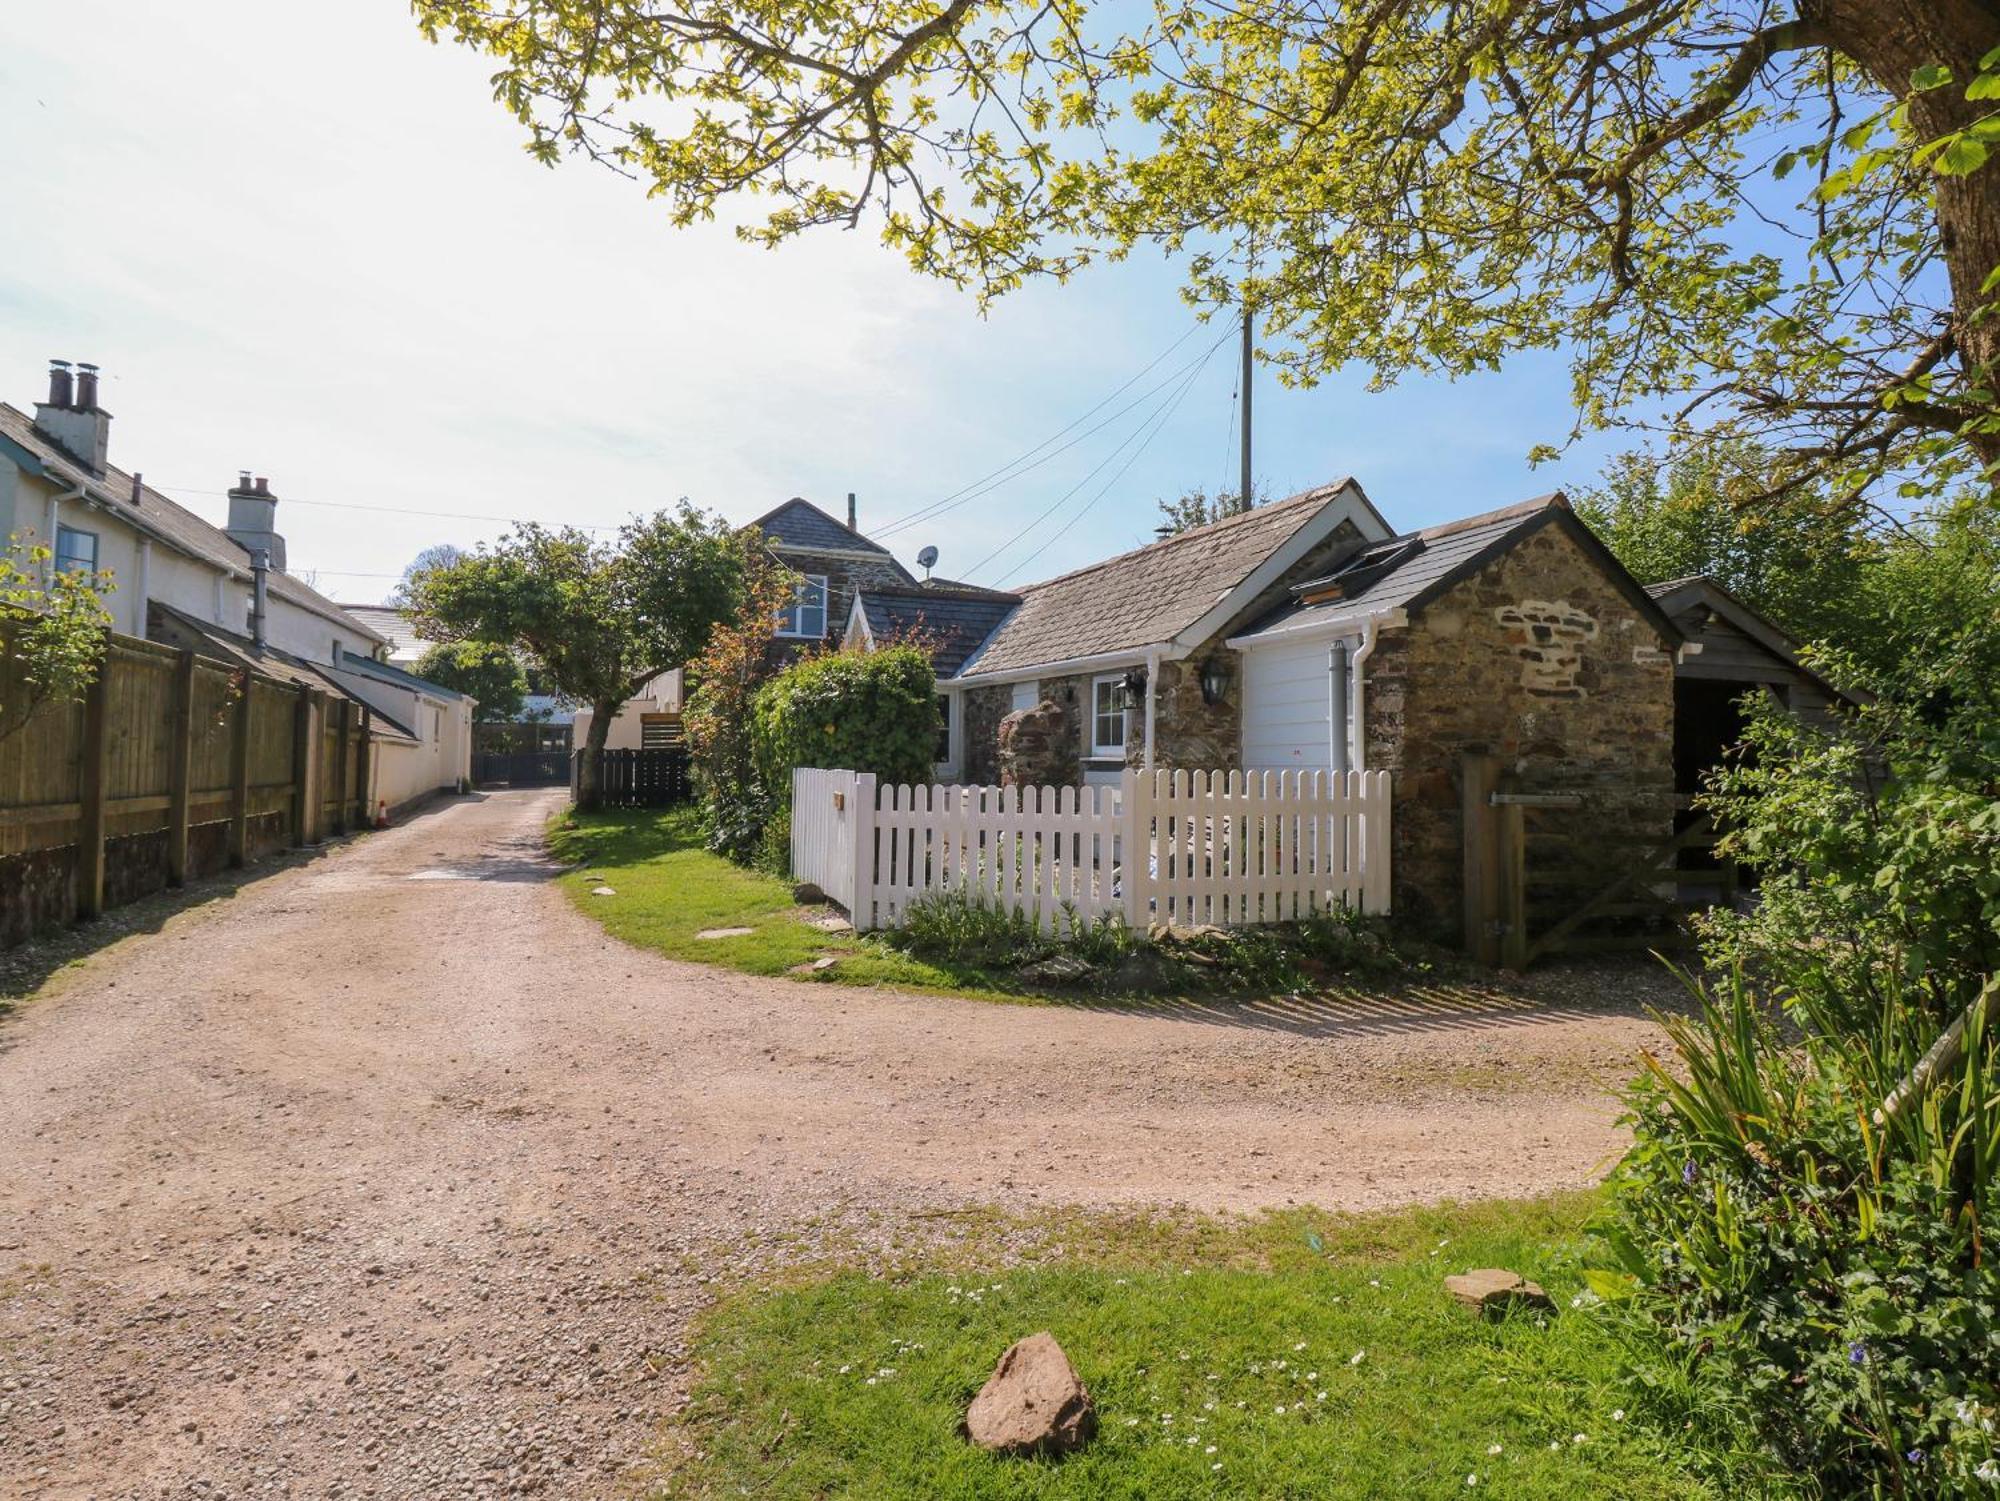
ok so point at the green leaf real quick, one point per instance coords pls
(1961, 156)
(1930, 76)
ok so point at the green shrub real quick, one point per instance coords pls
(1810, 1251)
(955, 927)
(873, 711)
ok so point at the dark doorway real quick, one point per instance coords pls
(1708, 728)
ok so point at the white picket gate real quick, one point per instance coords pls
(1227, 848)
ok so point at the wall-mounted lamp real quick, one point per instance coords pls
(1135, 686)
(1214, 680)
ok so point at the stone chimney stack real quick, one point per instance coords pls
(253, 519)
(71, 417)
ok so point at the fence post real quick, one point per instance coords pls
(340, 755)
(180, 768)
(1480, 776)
(96, 788)
(302, 732)
(1135, 838)
(239, 778)
(862, 913)
(363, 755)
(1511, 828)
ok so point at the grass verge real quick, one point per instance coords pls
(1296, 1355)
(668, 888)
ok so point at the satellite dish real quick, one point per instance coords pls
(927, 560)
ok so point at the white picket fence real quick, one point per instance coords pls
(1186, 848)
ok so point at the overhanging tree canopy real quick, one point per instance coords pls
(1761, 216)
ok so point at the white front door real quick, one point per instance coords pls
(1288, 706)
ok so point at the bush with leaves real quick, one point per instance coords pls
(53, 625)
(1802, 1215)
(873, 711)
(492, 676)
(722, 690)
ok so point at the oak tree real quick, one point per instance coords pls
(1765, 217)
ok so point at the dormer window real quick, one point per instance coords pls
(806, 616)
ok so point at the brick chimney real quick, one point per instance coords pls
(71, 417)
(253, 519)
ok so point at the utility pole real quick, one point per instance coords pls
(1243, 480)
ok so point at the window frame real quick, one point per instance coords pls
(1100, 750)
(62, 561)
(790, 619)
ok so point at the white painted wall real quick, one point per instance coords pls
(661, 696)
(1288, 707)
(441, 758)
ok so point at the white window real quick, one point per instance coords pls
(1107, 716)
(807, 615)
(1026, 696)
(943, 749)
(76, 551)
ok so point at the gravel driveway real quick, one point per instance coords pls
(390, 1175)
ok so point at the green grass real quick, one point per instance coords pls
(1239, 1336)
(670, 888)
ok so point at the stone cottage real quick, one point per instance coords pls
(1309, 635)
(834, 561)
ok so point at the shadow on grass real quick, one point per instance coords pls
(613, 845)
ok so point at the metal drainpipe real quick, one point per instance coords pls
(1337, 716)
(260, 580)
(145, 582)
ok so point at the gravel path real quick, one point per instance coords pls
(390, 1175)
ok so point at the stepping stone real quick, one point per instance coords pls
(602, 891)
(817, 967)
(724, 932)
(1493, 1289)
(831, 923)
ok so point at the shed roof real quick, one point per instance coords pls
(959, 616)
(1406, 572)
(1687, 599)
(1153, 594)
(393, 626)
(169, 520)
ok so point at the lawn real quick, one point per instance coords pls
(1297, 1355)
(668, 888)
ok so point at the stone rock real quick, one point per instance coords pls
(1033, 1403)
(818, 966)
(1057, 969)
(724, 932)
(603, 891)
(1038, 747)
(1145, 972)
(833, 922)
(1493, 1289)
(808, 894)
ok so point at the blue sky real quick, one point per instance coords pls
(304, 242)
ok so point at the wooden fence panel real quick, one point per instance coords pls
(271, 716)
(215, 690)
(139, 722)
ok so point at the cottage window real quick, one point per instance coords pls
(76, 551)
(943, 756)
(807, 614)
(1107, 716)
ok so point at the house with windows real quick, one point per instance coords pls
(1311, 635)
(175, 578)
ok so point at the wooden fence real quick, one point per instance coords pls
(173, 765)
(640, 778)
(1187, 848)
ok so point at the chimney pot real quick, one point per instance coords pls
(263, 485)
(243, 479)
(62, 385)
(86, 387)
(71, 417)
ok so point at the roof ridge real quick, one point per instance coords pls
(1208, 529)
(1520, 508)
(827, 516)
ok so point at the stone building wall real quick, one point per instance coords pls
(1540, 660)
(845, 572)
(980, 749)
(1188, 731)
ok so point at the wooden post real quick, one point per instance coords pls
(862, 814)
(180, 769)
(1480, 776)
(364, 755)
(340, 799)
(96, 790)
(239, 778)
(302, 733)
(1510, 825)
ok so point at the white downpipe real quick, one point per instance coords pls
(1339, 666)
(1152, 701)
(145, 590)
(1357, 732)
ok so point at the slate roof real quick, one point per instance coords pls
(393, 626)
(801, 524)
(958, 616)
(385, 672)
(1406, 572)
(1149, 595)
(170, 520)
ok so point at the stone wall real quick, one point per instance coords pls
(1188, 731)
(1540, 660)
(1038, 747)
(845, 572)
(979, 758)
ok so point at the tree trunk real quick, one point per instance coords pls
(590, 767)
(1891, 39)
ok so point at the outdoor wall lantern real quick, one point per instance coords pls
(1135, 686)
(1214, 680)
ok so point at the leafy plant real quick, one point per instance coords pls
(490, 674)
(723, 683)
(53, 624)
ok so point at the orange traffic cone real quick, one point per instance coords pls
(382, 813)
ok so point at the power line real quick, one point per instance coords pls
(1020, 465)
(1147, 430)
